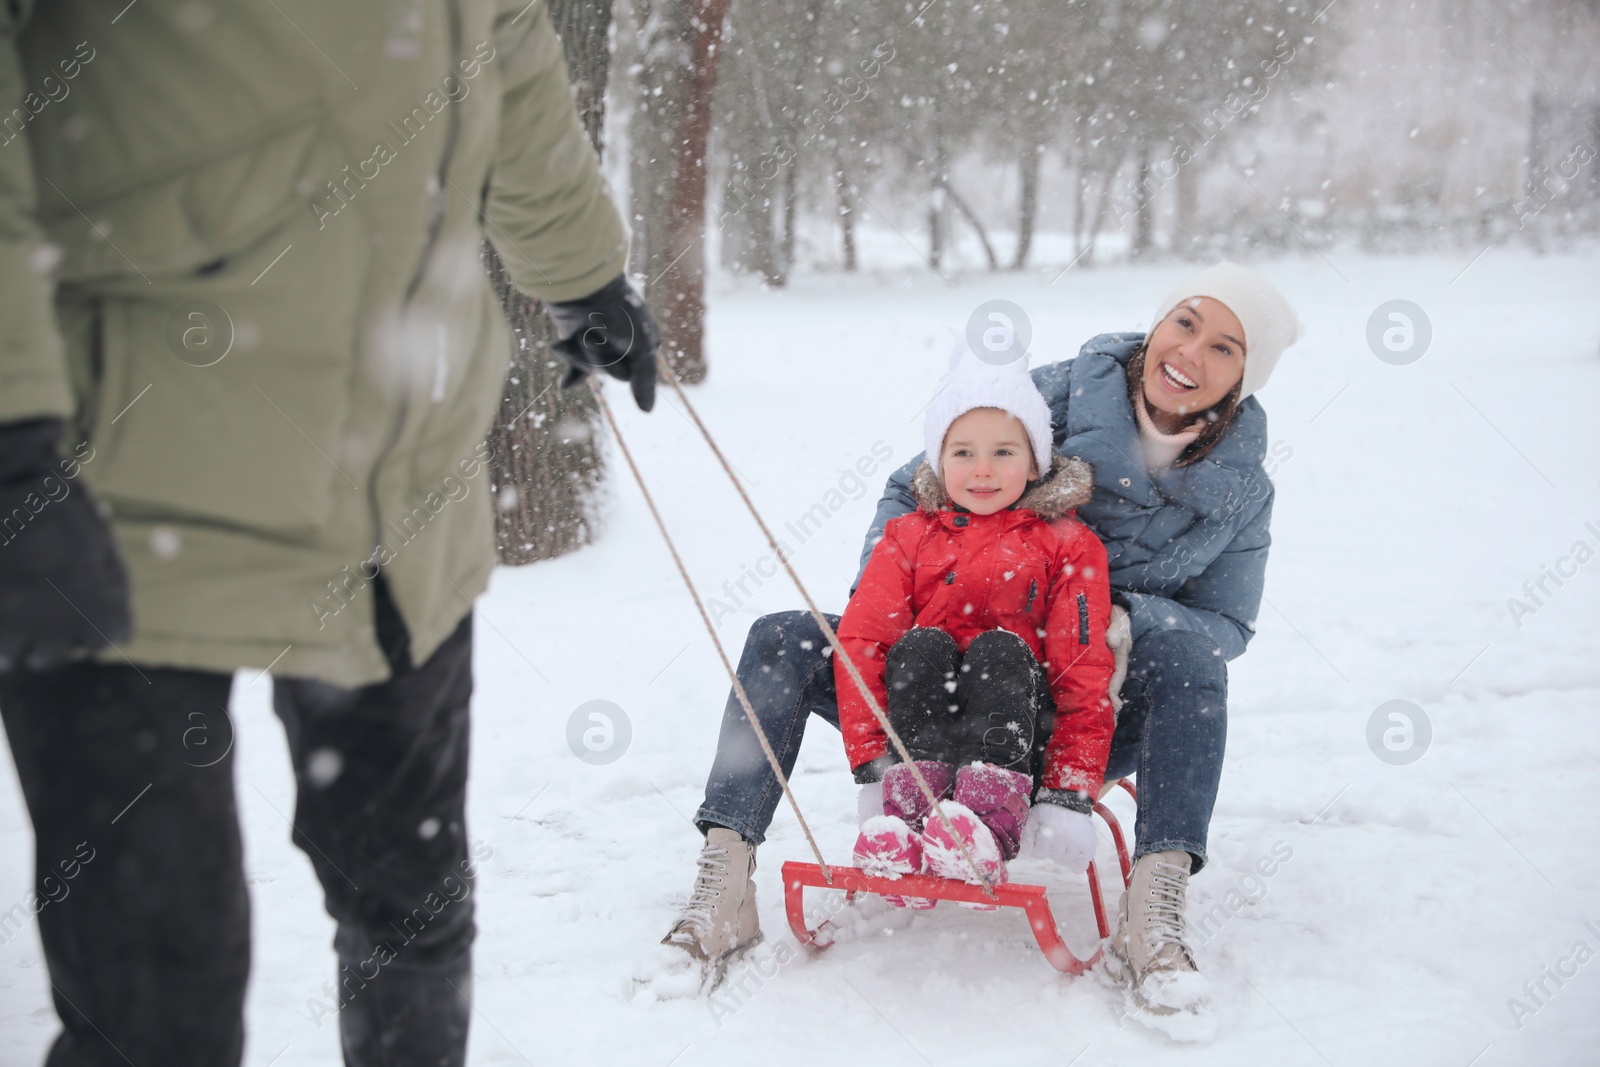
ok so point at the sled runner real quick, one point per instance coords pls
(1030, 898)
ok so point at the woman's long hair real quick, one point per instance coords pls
(1219, 416)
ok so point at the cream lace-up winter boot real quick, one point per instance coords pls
(720, 918)
(1150, 951)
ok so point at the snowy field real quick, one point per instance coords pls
(1416, 900)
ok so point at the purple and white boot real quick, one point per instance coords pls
(891, 846)
(943, 854)
(904, 798)
(987, 811)
(999, 797)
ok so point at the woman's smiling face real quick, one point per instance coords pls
(1195, 357)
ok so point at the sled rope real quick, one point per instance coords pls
(738, 686)
(827, 631)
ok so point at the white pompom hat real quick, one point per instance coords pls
(1270, 324)
(974, 383)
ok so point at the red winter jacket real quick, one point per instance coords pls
(1032, 569)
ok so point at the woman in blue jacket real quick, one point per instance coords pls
(1169, 422)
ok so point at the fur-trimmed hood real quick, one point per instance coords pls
(1068, 483)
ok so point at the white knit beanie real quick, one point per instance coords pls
(1270, 325)
(974, 383)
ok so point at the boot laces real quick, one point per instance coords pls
(707, 892)
(1164, 911)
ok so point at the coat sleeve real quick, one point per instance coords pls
(878, 615)
(549, 213)
(1223, 600)
(33, 373)
(1079, 667)
(896, 501)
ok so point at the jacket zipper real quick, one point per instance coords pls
(1083, 619)
(435, 225)
(1033, 590)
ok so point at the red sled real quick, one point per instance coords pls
(1030, 898)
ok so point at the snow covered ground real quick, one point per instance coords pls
(1416, 900)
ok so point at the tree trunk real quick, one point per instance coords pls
(1538, 116)
(679, 43)
(663, 53)
(936, 210)
(1594, 172)
(1029, 215)
(584, 27)
(751, 238)
(791, 198)
(1102, 205)
(1186, 239)
(971, 216)
(1080, 182)
(745, 219)
(682, 307)
(847, 218)
(544, 468)
(1144, 208)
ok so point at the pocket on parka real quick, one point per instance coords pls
(1025, 593)
(166, 224)
(223, 396)
(932, 574)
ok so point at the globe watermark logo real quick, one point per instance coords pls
(1398, 732)
(200, 333)
(999, 332)
(599, 732)
(202, 747)
(1399, 332)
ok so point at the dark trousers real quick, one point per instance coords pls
(957, 707)
(1172, 730)
(1171, 733)
(128, 777)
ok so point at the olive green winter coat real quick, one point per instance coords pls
(239, 245)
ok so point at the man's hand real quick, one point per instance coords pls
(610, 330)
(63, 592)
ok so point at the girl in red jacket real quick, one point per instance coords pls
(979, 619)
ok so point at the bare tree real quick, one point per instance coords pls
(680, 44)
(544, 466)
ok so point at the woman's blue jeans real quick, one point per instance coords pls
(1171, 731)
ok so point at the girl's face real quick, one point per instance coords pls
(1195, 358)
(986, 460)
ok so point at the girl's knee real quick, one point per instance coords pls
(927, 643)
(928, 635)
(999, 644)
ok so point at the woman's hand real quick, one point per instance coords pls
(1060, 834)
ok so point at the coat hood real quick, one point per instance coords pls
(1068, 483)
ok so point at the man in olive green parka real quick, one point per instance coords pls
(243, 318)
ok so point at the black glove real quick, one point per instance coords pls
(610, 330)
(63, 592)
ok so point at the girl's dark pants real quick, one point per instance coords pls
(1171, 731)
(955, 708)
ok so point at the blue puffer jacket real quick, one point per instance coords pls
(1187, 547)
